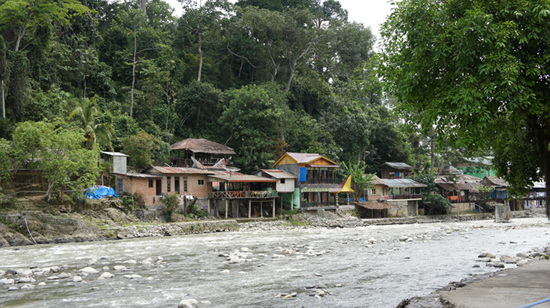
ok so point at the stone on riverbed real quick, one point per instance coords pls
(486, 254)
(77, 279)
(89, 271)
(135, 276)
(189, 303)
(106, 275)
(119, 268)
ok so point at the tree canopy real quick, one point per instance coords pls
(477, 72)
(263, 77)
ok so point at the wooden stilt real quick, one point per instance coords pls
(261, 209)
(281, 205)
(274, 207)
(226, 208)
(249, 208)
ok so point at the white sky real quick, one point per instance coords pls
(371, 13)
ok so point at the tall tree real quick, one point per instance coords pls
(478, 73)
(253, 116)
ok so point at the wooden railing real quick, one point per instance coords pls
(242, 195)
(402, 197)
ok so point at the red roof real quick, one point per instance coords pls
(237, 177)
(179, 170)
(202, 146)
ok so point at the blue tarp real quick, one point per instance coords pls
(100, 192)
(303, 174)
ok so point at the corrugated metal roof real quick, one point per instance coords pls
(402, 183)
(399, 166)
(140, 175)
(496, 181)
(372, 205)
(202, 146)
(377, 181)
(180, 170)
(279, 174)
(457, 187)
(114, 154)
(303, 158)
(237, 177)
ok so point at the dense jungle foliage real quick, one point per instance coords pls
(263, 77)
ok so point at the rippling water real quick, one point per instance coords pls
(352, 271)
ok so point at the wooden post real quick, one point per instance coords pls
(209, 200)
(249, 208)
(261, 209)
(336, 197)
(281, 204)
(292, 201)
(274, 207)
(226, 207)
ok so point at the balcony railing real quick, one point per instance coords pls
(242, 194)
(402, 197)
(313, 204)
(321, 181)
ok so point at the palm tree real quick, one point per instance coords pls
(87, 116)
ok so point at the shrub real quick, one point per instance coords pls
(6, 202)
(79, 198)
(438, 205)
(170, 201)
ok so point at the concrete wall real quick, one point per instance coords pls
(403, 208)
(459, 208)
(118, 163)
(133, 185)
(287, 187)
(193, 187)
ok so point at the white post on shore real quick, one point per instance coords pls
(274, 206)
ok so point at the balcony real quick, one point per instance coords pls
(321, 181)
(243, 194)
(405, 197)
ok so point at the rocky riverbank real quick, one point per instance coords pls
(53, 226)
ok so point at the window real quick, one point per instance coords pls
(201, 182)
(168, 184)
(282, 181)
(185, 185)
(150, 183)
(373, 191)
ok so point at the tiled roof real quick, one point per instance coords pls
(202, 146)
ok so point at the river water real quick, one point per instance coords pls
(357, 267)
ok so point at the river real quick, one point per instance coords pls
(374, 266)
